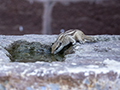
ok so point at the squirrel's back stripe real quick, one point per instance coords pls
(60, 36)
(70, 32)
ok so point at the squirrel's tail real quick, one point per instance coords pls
(89, 39)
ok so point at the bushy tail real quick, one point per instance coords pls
(90, 39)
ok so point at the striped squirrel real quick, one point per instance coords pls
(70, 36)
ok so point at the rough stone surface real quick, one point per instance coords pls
(92, 66)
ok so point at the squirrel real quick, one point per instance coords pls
(70, 36)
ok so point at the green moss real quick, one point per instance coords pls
(23, 51)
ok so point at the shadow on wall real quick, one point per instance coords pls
(49, 17)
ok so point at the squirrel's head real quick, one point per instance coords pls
(56, 47)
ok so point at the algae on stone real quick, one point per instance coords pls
(23, 51)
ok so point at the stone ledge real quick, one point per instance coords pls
(92, 66)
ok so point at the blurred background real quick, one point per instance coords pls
(19, 17)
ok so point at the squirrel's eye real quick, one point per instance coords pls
(60, 43)
(58, 46)
(52, 43)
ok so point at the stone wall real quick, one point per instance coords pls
(49, 16)
(92, 66)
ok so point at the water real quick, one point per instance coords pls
(23, 51)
